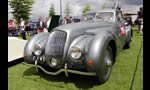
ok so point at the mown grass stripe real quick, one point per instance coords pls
(136, 67)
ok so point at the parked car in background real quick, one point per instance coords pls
(87, 48)
(129, 20)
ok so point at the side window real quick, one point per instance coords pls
(106, 16)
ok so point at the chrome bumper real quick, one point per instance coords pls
(62, 70)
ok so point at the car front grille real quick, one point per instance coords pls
(56, 43)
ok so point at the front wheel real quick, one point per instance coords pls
(108, 62)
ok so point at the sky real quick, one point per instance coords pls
(41, 7)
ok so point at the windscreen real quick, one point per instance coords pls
(100, 16)
(105, 16)
(88, 17)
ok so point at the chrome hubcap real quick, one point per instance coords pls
(108, 61)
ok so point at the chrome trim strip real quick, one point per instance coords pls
(63, 70)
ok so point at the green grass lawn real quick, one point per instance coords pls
(22, 77)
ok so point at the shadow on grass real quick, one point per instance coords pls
(80, 81)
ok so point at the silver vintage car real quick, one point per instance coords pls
(86, 48)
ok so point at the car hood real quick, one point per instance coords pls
(84, 28)
(88, 26)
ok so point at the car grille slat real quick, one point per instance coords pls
(55, 44)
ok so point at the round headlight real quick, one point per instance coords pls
(53, 62)
(38, 52)
(75, 52)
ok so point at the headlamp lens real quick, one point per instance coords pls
(75, 52)
(38, 52)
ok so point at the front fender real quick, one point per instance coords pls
(40, 39)
(95, 52)
(80, 42)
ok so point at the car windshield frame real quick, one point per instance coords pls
(88, 17)
(103, 17)
(93, 16)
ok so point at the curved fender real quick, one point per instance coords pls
(40, 39)
(81, 42)
(95, 52)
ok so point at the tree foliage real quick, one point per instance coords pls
(67, 10)
(86, 9)
(52, 10)
(21, 9)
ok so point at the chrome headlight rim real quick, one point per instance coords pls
(78, 50)
(37, 52)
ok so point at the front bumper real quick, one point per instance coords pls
(62, 70)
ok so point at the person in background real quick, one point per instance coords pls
(10, 23)
(70, 20)
(47, 23)
(15, 33)
(64, 20)
(31, 28)
(140, 20)
(83, 18)
(27, 29)
(22, 28)
(10, 28)
(40, 25)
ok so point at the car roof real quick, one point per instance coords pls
(101, 10)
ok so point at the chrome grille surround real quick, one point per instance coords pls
(55, 46)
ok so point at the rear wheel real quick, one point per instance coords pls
(128, 44)
(108, 62)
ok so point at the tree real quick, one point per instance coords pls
(21, 9)
(86, 9)
(67, 10)
(52, 10)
